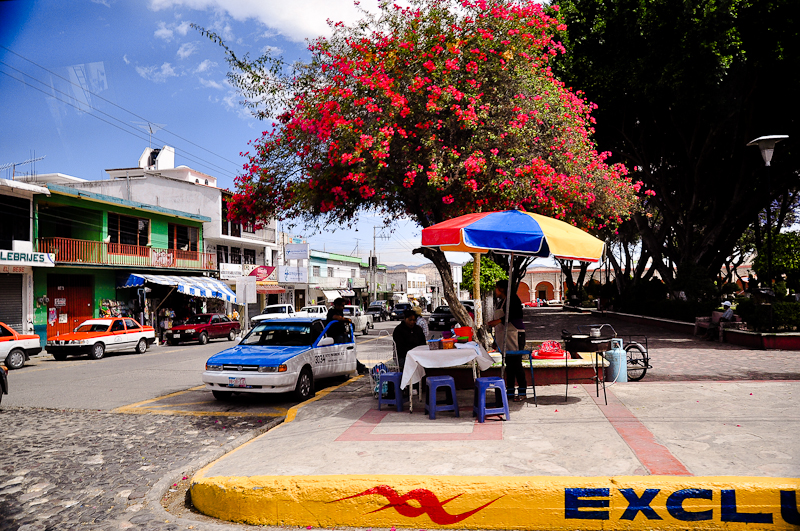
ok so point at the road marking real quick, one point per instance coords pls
(138, 405)
(290, 416)
(178, 412)
(655, 457)
(60, 364)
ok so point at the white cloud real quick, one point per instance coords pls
(102, 3)
(125, 58)
(205, 65)
(295, 20)
(186, 49)
(182, 28)
(163, 32)
(210, 83)
(157, 74)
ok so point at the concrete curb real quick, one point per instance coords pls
(157, 491)
(484, 502)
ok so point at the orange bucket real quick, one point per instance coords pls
(464, 331)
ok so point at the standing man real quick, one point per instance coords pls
(339, 331)
(407, 335)
(510, 328)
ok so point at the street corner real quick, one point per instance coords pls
(198, 402)
(481, 502)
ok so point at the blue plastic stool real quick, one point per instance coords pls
(500, 406)
(451, 402)
(394, 379)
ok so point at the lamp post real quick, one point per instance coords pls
(767, 145)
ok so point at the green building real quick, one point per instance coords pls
(97, 242)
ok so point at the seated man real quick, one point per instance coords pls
(713, 328)
(407, 335)
(339, 331)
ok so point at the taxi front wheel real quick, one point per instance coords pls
(97, 352)
(305, 385)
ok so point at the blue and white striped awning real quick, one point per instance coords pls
(194, 286)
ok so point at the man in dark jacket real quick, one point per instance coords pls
(339, 331)
(407, 335)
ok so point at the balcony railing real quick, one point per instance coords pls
(71, 251)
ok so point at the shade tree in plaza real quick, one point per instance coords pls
(681, 89)
(426, 112)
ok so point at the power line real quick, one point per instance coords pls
(114, 104)
(186, 154)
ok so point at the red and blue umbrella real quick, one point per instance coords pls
(513, 231)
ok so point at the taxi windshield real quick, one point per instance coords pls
(93, 327)
(283, 334)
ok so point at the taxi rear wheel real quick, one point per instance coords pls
(203, 338)
(305, 385)
(98, 351)
(15, 359)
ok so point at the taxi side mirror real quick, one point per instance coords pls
(325, 342)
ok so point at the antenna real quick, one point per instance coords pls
(15, 164)
(150, 128)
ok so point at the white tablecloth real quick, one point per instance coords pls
(420, 357)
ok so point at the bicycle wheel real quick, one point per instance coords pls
(638, 360)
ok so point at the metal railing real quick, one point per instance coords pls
(72, 251)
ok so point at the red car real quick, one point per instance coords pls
(203, 327)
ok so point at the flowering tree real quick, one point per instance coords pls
(428, 112)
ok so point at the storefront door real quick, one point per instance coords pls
(71, 302)
(299, 299)
(11, 301)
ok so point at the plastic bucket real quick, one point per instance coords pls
(464, 331)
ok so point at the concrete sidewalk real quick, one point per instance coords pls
(670, 445)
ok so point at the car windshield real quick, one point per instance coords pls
(442, 309)
(375, 306)
(282, 334)
(275, 309)
(402, 306)
(197, 319)
(348, 311)
(93, 327)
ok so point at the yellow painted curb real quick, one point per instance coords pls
(483, 502)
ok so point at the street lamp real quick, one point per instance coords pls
(767, 145)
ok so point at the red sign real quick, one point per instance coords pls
(263, 273)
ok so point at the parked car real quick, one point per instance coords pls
(397, 311)
(443, 319)
(275, 311)
(318, 311)
(280, 356)
(378, 310)
(98, 336)
(203, 327)
(16, 348)
(361, 321)
(3, 382)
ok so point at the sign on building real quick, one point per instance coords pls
(296, 251)
(230, 271)
(293, 274)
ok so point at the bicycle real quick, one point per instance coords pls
(637, 355)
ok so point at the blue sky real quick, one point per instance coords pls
(81, 78)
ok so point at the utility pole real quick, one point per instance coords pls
(373, 263)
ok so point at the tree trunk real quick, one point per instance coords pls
(459, 312)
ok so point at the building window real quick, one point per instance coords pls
(225, 221)
(16, 220)
(236, 255)
(352, 273)
(249, 256)
(236, 230)
(222, 254)
(250, 228)
(330, 272)
(127, 230)
(315, 271)
(184, 240)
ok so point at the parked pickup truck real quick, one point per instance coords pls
(275, 311)
(203, 327)
(379, 311)
(361, 321)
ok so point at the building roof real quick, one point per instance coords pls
(17, 186)
(102, 198)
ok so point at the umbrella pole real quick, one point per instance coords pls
(508, 319)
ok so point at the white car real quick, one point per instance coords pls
(318, 311)
(275, 311)
(279, 356)
(98, 336)
(362, 321)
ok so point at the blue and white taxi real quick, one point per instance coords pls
(281, 356)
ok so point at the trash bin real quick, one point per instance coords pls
(617, 370)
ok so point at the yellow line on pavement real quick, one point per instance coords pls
(62, 364)
(143, 411)
(137, 405)
(289, 418)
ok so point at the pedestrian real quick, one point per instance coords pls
(712, 334)
(509, 328)
(407, 335)
(422, 322)
(339, 330)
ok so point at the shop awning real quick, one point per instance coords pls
(347, 293)
(331, 295)
(193, 286)
(268, 287)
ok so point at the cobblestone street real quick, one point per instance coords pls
(92, 470)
